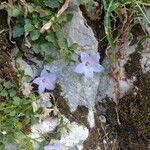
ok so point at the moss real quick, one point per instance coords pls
(95, 135)
(134, 109)
(80, 115)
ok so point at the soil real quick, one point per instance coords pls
(7, 71)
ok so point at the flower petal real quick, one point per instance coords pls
(44, 73)
(84, 56)
(50, 86)
(88, 72)
(47, 104)
(79, 68)
(52, 78)
(95, 57)
(37, 80)
(55, 146)
(41, 88)
(97, 68)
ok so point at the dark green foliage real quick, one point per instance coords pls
(31, 18)
(16, 115)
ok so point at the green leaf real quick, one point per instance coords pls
(56, 27)
(62, 41)
(36, 48)
(12, 92)
(16, 101)
(30, 146)
(17, 31)
(51, 37)
(11, 137)
(13, 113)
(48, 60)
(47, 47)
(7, 85)
(28, 26)
(34, 34)
(2, 146)
(3, 93)
(73, 47)
(1, 136)
(14, 11)
(1, 87)
(61, 1)
(65, 17)
(114, 6)
(52, 3)
(46, 14)
(78, 2)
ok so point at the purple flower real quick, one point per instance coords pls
(45, 81)
(46, 104)
(89, 64)
(55, 146)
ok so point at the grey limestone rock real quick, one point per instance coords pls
(76, 89)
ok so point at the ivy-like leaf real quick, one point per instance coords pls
(73, 47)
(17, 101)
(65, 17)
(3, 93)
(78, 2)
(12, 113)
(62, 41)
(7, 85)
(47, 47)
(36, 48)
(1, 87)
(12, 92)
(48, 60)
(28, 26)
(56, 27)
(14, 11)
(51, 37)
(52, 3)
(34, 34)
(17, 31)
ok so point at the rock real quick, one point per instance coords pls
(145, 62)
(71, 140)
(77, 31)
(106, 84)
(47, 126)
(24, 66)
(91, 119)
(75, 89)
(75, 138)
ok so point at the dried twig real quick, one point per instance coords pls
(48, 25)
(3, 31)
(9, 23)
(122, 44)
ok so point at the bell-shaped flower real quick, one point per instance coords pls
(89, 64)
(55, 146)
(45, 81)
